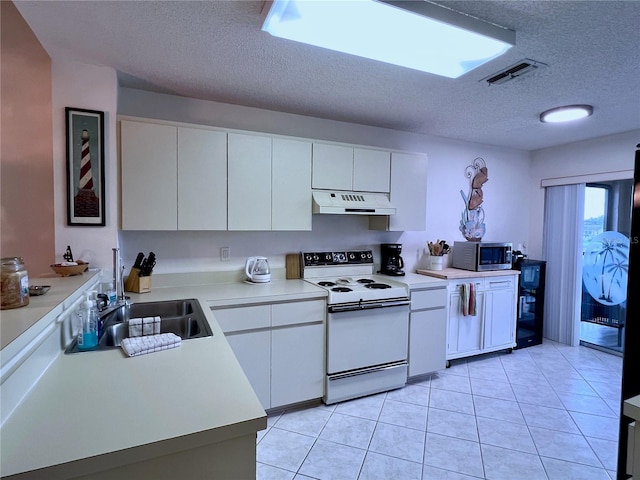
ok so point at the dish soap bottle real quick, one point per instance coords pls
(111, 293)
(88, 335)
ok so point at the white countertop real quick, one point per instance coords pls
(415, 280)
(455, 273)
(16, 321)
(102, 408)
(224, 294)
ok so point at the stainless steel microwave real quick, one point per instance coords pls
(482, 256)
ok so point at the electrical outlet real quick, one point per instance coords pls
(225, 254)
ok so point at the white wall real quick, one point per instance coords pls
(87, 87)
(505, 207)
(609, 157)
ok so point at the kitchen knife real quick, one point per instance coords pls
(151, 262)
(143, 266)
(138, 263)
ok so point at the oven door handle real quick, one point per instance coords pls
(350, 307)
(364, 371)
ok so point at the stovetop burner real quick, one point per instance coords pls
(377, 286)
(348, 277)
(341, 289)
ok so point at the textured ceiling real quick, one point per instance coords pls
(215, 50)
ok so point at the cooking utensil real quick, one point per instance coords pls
(143, 265)
(147, 265)
(138, 263)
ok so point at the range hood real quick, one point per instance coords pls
(351, 203)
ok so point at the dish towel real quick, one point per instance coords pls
(468, 299)
(464, 299)
(144, 326)
(135, 346)
(472, 300)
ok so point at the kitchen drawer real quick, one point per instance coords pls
(298, 312)
(432, 298)
(243, 318)
(506, 281)
(478, 282)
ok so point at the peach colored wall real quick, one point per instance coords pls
(26, 145)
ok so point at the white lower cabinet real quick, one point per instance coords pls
(500, 309)
(297, 364)
(280, 348)
(427, 331)
(253, 351)
(493, 327)
(464, 332)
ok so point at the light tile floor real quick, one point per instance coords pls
(544, 412)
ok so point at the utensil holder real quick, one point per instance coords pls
(137, 284)
(436, 262)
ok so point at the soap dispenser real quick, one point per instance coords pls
(88, 335)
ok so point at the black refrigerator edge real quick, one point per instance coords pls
(631, 356)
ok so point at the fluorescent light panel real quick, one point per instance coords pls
(389, 32)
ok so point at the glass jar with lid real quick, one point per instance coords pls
(15, 283)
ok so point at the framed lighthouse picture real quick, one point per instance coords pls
(85, 167)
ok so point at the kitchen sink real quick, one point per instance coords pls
(184, 318)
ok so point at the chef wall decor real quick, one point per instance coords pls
(472, 222)
(85, 167)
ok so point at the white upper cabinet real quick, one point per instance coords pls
(371, 170)
(173, 178)
(149, 176)
(202, 179)
(249, 182)
(340, 167)
(408, 194)
(269, 183)
(291, 185)
(332, 167)
(183, 177)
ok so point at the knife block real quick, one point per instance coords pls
(137, 284)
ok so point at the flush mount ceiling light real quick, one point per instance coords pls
(413, 34)
(567, 113)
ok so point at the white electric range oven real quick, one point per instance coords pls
(367, 330)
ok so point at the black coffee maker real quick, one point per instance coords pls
(391, 262)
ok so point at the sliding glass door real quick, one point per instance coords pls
(606, 230)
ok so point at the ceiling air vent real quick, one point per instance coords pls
(519, 69)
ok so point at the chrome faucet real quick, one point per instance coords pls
(118, 275)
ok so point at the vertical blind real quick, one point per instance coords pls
(562, 249)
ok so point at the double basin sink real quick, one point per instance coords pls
(184, 317)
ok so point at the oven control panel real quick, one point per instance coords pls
(348, 257)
